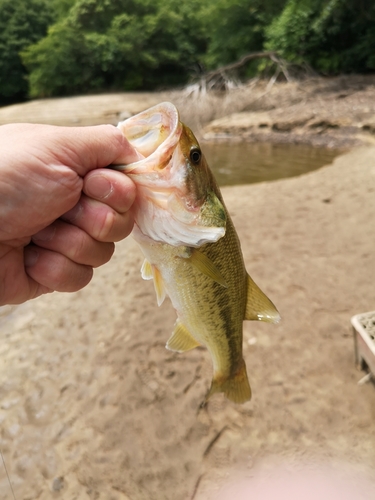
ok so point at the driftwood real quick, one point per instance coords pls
(219, 78)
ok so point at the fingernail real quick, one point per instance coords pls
(98, 187)
(45, 234)
(73, 214)
(31, 255)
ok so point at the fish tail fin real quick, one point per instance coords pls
(236, 387)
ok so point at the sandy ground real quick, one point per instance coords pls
(92, 406)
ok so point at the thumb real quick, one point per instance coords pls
(87, 148)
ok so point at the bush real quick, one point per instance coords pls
(22, 22)
(331, 35)
(237, 27)
(117, 44)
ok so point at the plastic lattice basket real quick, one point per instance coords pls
(364, 340)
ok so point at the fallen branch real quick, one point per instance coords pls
(219, 75)
(246, 58)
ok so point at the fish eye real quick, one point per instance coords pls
(195, 155)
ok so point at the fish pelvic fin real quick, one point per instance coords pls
(159, 285)
(258, 306)
(181, 339)
(149, 272)
(236, 388)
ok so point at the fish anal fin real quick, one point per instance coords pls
(158, 284)
(236, 388)
(181, 339)
(205, 265)
(146, 270)
(258, 305)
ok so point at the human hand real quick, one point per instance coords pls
(60, 210)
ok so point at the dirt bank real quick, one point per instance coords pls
(92, 406)
(333, 112)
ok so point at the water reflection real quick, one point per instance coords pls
(246, 163)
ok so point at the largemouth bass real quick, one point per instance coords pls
(192, 251)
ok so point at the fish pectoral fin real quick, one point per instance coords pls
(146, 270)
(236, 388)
(181, 339)
(258, 306)
(207, 267)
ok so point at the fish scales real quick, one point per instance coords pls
(192, 251)
(196, 296)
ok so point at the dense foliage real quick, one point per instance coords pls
(95, 45)
(22, 22)
(236, 27)
(117, 44)
(333, 36)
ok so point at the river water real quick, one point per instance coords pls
(246, 163)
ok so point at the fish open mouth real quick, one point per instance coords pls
(152, 133)
(167, 208)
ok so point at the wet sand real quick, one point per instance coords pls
(90, 395)
(92, 406)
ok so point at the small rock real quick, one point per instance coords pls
(58, 483)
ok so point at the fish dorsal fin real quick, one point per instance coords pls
(181, 339)
(207, 267)
(258, 305)
(149, 272)
(146, 270)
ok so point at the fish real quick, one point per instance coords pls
(191, 248)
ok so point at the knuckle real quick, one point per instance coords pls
(79, 248)
(127, 191)
(60, 272)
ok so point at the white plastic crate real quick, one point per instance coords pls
(364, 340)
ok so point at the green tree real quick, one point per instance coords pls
(117, 44)
(61, 8)
(22, 22)
(236, 27)
(331, 35)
